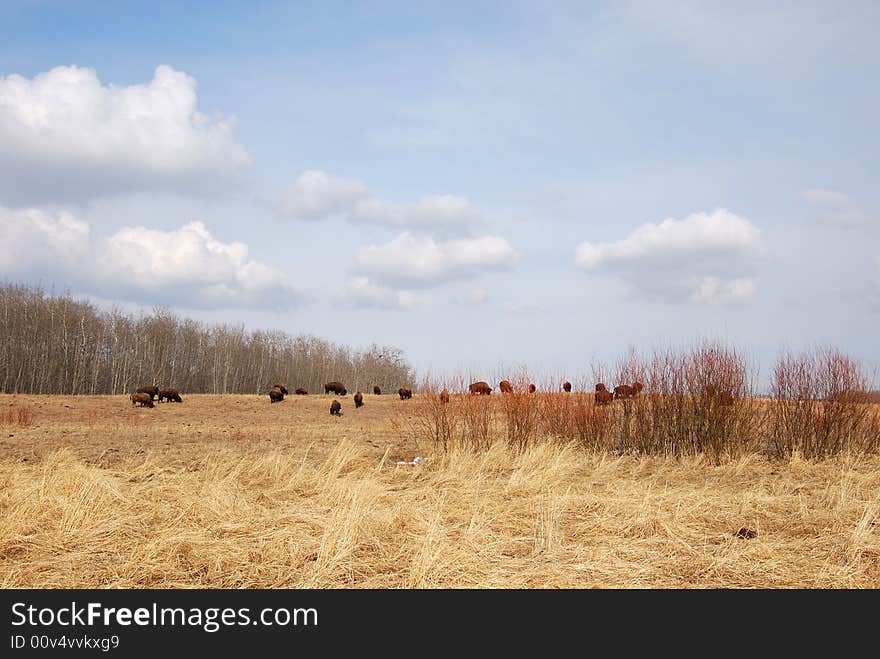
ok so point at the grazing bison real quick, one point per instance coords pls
(276, 395)
(335, 408)
(358, 399)
(603, 396)
(152, 391)
(300, 391)
(404, 393)
(141, 398)
(335, 387)
(377, 391)
(623, 391)
(566, 386)
(532, 389)
(444, 396)
(482, 388)
(171, 395)
(505, 387)
(282, 387)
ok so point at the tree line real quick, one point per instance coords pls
(54, 344)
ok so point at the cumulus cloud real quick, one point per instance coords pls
(186, 266)
(704, 258)
(365, 294)
(826, 197)
(316, 195)
(65, 136)
(424, 261)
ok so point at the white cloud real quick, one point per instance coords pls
(316, 195)
(186, 266)
(423, 261)
(66, 136)
(363, 293)
(826, 197)
(704, 258)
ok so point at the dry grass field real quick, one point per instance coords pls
(234, 492)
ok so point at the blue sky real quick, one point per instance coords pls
(480, 184)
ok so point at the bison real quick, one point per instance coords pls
(532, 389)
(444, 396)
(282, 387)
(152, 391)
(170, 395)
(358, 399)
(335, 387)
(300, 391)
(637, 388)
(276, 395)
(600, 386)
(335, 408)
(623, 391)
(482, 388)
(505, 387)
(603, 396)
(141, 398)
(566, 386)
(404, 393)
(377, 391)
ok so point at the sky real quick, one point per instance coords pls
(487, 186)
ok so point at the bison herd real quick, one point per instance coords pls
(145, 396)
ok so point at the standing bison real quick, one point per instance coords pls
(404, 393)
(358, 399)
(141, 398)
(566, 386)
(532, 389)
(482, 388)
(377, 391)
(152, 391)
(276, 395)
(335, 408)
(170, 395)
(335, 387)
(505, 387)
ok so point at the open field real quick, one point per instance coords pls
(232, 491)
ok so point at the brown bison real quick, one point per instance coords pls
(566, 386)
(282, 387)
(482, 388)
(404, 393)
(377, 391)
(141, 398)
(170, 395)
(335, 408)
(335, 387)
(603, 396)
(152, 391)
(276, 395)
(532, 389)
(300, 391)
(505, 387)
(358, 399)
(444, 396)
(623, 391)
(600, 386)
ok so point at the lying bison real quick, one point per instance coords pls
(335, 408)
(276, 395)
(377, 391)
(505, 387)
(404, 393)
(358, 399)
(482, 388)
(141, 398)
(300, 391)
(335, 387)
(152, 391)
(170, 395)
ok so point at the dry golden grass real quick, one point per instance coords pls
(234, 492)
